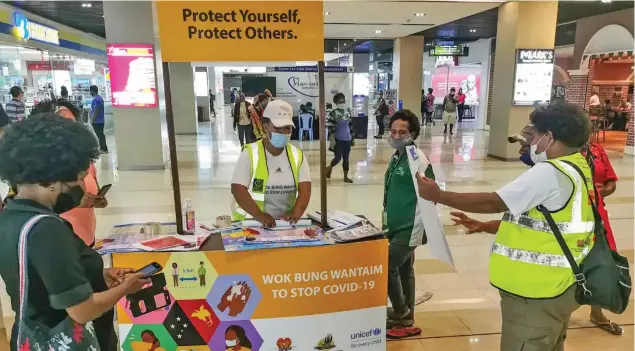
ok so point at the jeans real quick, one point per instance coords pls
(461, 109)
(244, 134)
(99, 131)
(401, 277)
(380, 123)
(342, 151)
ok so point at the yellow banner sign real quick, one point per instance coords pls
(225, 31)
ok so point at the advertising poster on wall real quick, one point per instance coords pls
(132, 78)
(279, 299)
(467, 79)
(299, 85)
(534, 76)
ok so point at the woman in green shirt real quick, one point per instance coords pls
(45, 157)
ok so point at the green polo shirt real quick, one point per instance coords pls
(403, 223)
(62, 270)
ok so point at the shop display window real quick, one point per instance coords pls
(41, 75)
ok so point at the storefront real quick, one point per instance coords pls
(466, 68)
(41, 56)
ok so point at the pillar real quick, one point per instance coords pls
(138, 131)
(183, 98)
(521, 25)
(407, 66)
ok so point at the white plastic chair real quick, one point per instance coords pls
(306, 125)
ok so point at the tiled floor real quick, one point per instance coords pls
(464, 312)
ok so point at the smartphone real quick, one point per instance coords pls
(150, 270)
(104, 190)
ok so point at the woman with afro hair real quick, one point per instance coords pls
(45, 157)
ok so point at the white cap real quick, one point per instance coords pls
(280, 113)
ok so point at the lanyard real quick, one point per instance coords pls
(391, 168)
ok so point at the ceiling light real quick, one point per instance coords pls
(472, 30)
(83, 5)
(420, 14)
(606, 1)
(326, 13)
(89, 5)
(377, 31)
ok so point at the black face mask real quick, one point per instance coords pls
(69, 200)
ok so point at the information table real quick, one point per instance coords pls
(307, 298)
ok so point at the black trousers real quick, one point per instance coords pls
(99, 130)
(461, 108)
(245, 134)
(380, 123)
(342, 152)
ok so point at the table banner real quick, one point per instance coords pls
(315, 298)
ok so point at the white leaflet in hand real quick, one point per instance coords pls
(437, 243)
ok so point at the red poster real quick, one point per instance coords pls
(457, 78)
(132, 78)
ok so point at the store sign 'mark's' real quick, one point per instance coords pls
(26, 29)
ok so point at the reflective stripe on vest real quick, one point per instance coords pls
(526, 259)
(260, 173)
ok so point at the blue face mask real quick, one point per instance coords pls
(526, 159)
(279, 140)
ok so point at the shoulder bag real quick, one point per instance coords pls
(67, 335)
(603, 277)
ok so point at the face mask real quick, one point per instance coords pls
(538, 157)
(69, 200)
(279, 140)
(230, 343)
(400, 144)
(526, 159)
(341, 106)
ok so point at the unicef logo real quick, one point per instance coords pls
(377, 332)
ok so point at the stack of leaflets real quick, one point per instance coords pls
(354, 232)
(336, 218)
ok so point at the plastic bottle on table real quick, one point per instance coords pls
(190, 219)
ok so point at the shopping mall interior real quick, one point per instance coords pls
(398, 48)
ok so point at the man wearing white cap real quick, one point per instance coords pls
(271, 179)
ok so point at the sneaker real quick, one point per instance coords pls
(378, 136)
(103, 152)
(401, 333)
(394, 315)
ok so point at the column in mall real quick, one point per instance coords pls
(521, 25)
(407, 67)
(183, 98)
(137, 130)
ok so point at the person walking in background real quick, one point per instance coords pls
(430, 106)
(341, 118)
(330, 127)
(449, 111)
(460, 96)
(233, 96)
(242, 120)
(97, 117)
(381, 111)
(15, 108)
(255, 114)
(212, 99)
(4, 122)
(64, 92)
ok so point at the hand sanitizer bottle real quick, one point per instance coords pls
(190, 219)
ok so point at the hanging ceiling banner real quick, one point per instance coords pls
(205, 31)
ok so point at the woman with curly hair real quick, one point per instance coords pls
(46, 157)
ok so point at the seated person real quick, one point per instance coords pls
(278, 185)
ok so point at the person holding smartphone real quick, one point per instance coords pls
(46, 157)
(82, 217)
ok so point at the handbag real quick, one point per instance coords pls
(603, 278)
(67, 335)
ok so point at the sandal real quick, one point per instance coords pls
(422, 296)
(609, 327)
(401, 333)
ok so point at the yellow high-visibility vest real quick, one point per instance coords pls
(260, 174)
(526, 259)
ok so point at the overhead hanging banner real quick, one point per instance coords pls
(225, 31)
